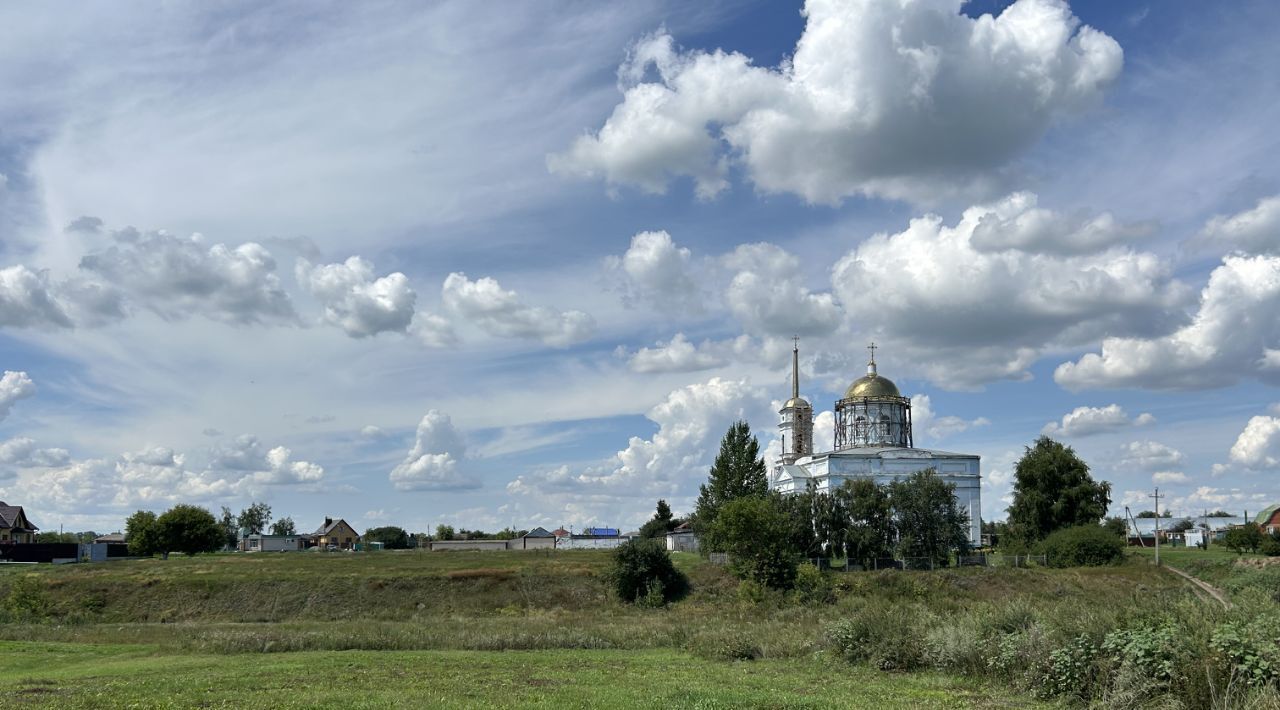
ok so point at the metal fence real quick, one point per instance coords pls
(928, 563)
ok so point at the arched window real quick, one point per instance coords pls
(884, 426)
(860, 427)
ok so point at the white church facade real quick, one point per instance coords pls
(873, 440)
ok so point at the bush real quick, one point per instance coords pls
(812, 585)
(1072, 671)
(643, 572)
(1251, 650)
(1082, 546)
(889, 639)
(725, 646)
(1271, 545)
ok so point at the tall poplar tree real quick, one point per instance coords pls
(738, 472)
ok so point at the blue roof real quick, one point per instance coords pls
(602, 532)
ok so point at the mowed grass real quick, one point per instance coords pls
(108, 676)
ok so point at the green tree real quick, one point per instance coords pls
(756, 531)
(1117, 527)
(141, 534)
(870, 531)
(662, 522)
(1052, 489)
(187, 529)
(230, 528)
(255, 518)
(444, 532)
(391, 537)
(284, 526)
(642, 570)
(929, 521)
(1244, 538)
(64, 537)
(738, 472)
(805, 512)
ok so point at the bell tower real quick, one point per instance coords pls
(796, 425)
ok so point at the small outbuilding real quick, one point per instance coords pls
(682, 539)
(272, 543)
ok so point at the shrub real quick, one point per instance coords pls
(812, 585)
(889, 639)
(1152, 652)
(1082, 546)
(642, 570)
(725, 646)
(1072, 671)
(1271, 545)
(1251, 650)
(27, 599)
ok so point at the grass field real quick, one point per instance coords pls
(89, 676)
(523, 629)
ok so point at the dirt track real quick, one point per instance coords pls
(1204, 586)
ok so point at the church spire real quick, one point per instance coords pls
(795, 367)
(871, 364)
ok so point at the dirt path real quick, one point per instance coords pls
(1204, 586)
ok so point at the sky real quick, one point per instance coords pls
(523, 264)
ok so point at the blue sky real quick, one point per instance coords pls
(422, 265)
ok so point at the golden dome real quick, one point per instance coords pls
(872, 385)
(797, 402)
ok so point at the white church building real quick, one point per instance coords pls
(872, 440)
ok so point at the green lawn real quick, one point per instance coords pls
(108, 676)
(485, 629)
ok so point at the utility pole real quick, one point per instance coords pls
(1157, 496)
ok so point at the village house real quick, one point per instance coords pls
(14, 526)
(272, 543)
(1269, 519)
(335, 533)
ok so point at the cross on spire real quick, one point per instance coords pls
(872, 347)
(795, 340)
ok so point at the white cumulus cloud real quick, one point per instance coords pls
(894, 99)
(179, 277)
(768, 295)
(500, 312)
(1258, 446)
(13, 387)
(23, 453)
(1256, 230)
(925, 421)
(967, 316)
(676, 355)
(432, 463)
(355, 300)
(1150, 455)
(1230, 336)
(1085, 421)
(654, 270)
